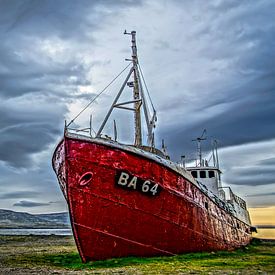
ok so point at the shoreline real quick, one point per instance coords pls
(36, 232)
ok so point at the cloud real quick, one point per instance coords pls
(267, 162)
(67, 20)
(30, 204)
(264, 226)
(18, 194)
(46, 64)
(253, 175)
(28, 125)
(229, 89)
(262, 194)
(207, 65)
(246, 164)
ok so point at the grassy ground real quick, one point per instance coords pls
(58, 255)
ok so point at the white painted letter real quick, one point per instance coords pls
(123, 178)
(133, 183)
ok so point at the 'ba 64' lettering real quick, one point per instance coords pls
(130, 182)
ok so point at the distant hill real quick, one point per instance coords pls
(12, 219)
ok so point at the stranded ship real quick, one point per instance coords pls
(132, 200)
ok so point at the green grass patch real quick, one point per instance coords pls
(62, 254)
(252, 256)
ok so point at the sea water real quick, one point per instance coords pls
(63, 232)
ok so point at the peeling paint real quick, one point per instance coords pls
(109, 221)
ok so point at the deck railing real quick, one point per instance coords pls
(230, 196)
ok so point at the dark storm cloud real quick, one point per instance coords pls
(250, 165)
(268, 162)
(249, 118)
(66, 19)
(28, 127)
(30, 204)
(18, 143)
(41, 68)
(48, 16)
(24, 25)
(247, 104)
(34, 77)
(250, 179)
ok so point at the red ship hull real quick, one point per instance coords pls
(112, 218)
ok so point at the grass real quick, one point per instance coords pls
(59, 253)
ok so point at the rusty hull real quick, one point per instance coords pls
(109, 221)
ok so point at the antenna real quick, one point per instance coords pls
(215, 151)
(183, 160)
(198, 140)
(215, 143)
(164, 149)
(91, 121)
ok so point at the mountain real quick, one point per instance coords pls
(55, 217)
(12, 219)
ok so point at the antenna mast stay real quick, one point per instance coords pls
(199, 139)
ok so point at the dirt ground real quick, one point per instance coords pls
(36, 255)
(14, 248)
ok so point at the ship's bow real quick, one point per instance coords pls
(59, 166)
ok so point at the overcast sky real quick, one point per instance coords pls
(208, 65)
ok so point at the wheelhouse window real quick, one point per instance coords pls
(202, 174)
(194, 174)
(211, 174)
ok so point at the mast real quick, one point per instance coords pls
(136, 91)
(199, 139)
(217, 161)
(138, 100)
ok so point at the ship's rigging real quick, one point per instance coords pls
(138, 101)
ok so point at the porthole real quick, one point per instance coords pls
(85, 179)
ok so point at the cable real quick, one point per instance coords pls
(146, 88)
(97, 96)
